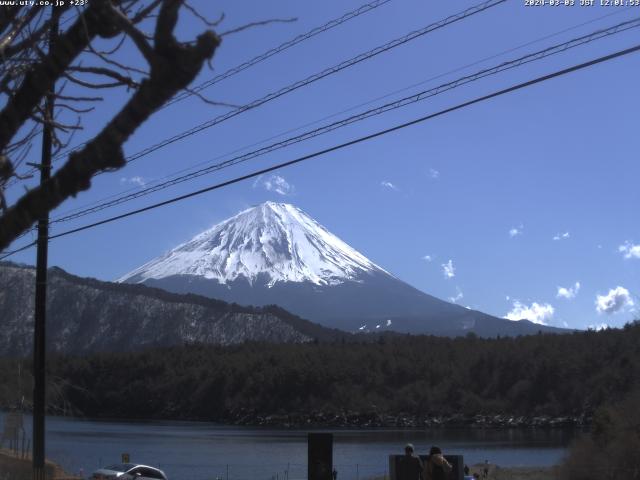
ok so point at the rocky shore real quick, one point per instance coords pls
(364, 420)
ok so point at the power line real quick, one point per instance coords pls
(367, 7)
(317, 76)
(313, 78)
(420, 96)
(358, 140)
(18, 250)
(404, 89)
(280, 48)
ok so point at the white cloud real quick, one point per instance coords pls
(257, 181)
(448, 269)
(562, 236)
(388, 322)
(616, 300)
(515, 231)
(459, 296)
(629, 250)
(427, 258)
(434, 173)
(536, 312)
(598, 327)
(277, 184)
(136, 180)
(389, 185)
(568, 293)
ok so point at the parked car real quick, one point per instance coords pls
(128, 471)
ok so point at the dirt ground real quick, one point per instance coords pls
(13, 467)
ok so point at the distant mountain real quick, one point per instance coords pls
(87, 315)
(276, 254)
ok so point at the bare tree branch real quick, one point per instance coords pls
(21, 156)
(31, 39)
(41, 78)
(127, 68)
(209, 101)
(202, 18)
(55, 125)
(257, 24)
(79, 98)
(66, 106)
(123, 79)
(145, 12)
(16, 145)
(7, 16)
(17, 28)
(174, 67)
(138, 37)
(87, 84)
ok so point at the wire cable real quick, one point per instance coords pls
(311, 79)
(403, 102)
(317, 76)
(367, 7)
(513, 88)
(350, 109)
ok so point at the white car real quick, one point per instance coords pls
(128, 471)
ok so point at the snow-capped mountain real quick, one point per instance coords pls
(274, 253)
(274, 240)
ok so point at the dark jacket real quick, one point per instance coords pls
(409, 468)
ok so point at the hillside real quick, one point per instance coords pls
(87, 315)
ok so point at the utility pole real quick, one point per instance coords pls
(39, 334)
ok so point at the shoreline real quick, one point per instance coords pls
(374, 420)
(364, 420)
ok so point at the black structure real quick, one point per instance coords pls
(320, 456)
(39, 328)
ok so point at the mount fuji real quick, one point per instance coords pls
(274, 253)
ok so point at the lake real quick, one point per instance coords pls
(205, 451)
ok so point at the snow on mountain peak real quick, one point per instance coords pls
(273, 239)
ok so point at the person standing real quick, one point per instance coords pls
(409, 467)
(437, 467)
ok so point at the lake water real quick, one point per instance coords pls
(204, 451)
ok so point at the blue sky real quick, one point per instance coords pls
(522, 206)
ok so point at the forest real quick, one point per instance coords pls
(419, 376)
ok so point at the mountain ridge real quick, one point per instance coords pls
(87, 315)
